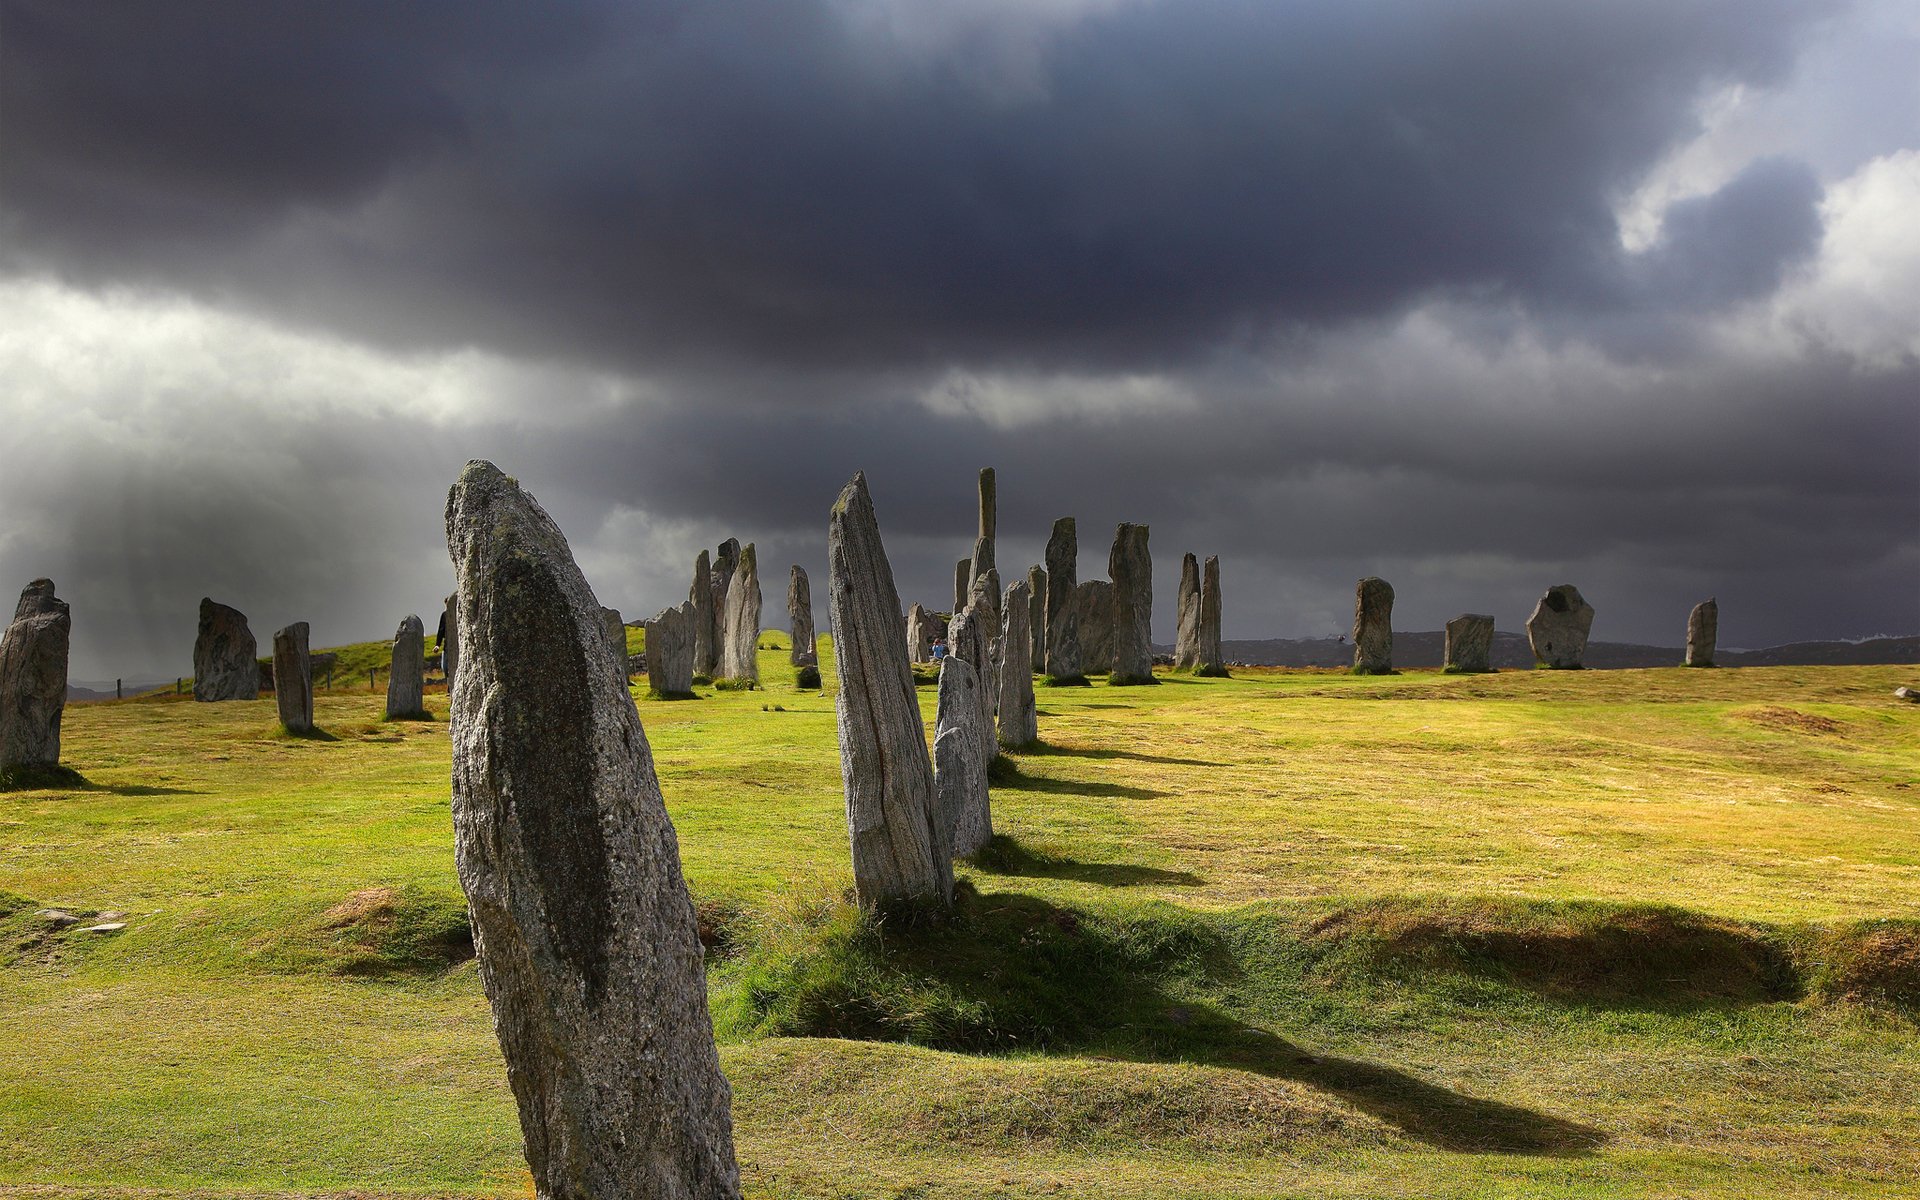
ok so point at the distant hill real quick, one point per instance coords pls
(1510, 653)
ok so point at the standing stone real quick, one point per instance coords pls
(898, 832)
(406, 677)
(617, 638)
(986, 593)
(1703, 630)
(1212, 663)
(1558, 628)
(1037, 618)
(800, 618)
(960, 774)
(1093, 613)
(1019, 723)
(1131, 569)
(450, 644)
(225, 656)
(1065, 661)
(586, 939)
(1470, 644)
(706, 640)
(726, 562)
(33, 684)
(962, 583)
(1373, 627)
(922, 628)
(989, 506)
(1186, 639)
(293, 678)
(670, 650)
(739, 661)
(981, 562)
(970, 638)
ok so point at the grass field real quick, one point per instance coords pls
(1633, 933)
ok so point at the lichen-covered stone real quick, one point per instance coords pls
(1130, 568)
(800, 619)
(1470, 643)
(1066, 661)
(225, 655)
(670, 650)
(1373, 627)
(1558, 628)
(1703, 630)
(1212, 661)
(1186, 638)
(1093, 614)
(1037, 617)
(407, 673)
(922, 628)
(962, 583)
(989, 505)
(450, 644)
(293, 678)
(739, 657)
(960, 769)
(1019, 723)
(706, 623)
(33, 680)
(617, 638)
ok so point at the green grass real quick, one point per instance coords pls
(1293, 933)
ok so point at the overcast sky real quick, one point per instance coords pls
(1478, 296)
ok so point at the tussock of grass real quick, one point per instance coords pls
(387, 930)
(30, 776)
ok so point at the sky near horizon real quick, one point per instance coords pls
(1479, 297)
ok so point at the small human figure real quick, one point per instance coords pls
(939, 648)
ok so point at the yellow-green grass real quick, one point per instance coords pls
(1292, 933)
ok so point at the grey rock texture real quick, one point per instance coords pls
(980, 563)
(450, 646)
(407, 674)
(985, 595)
(1186, 638)
(670, 650)
(726, 561)
(959, 771)
(1037, 617)
(33, 679)
(971, 639)
(739, 661)
(1093, 615)
(1373, 627)
(1703, 630)
(225, 655)
(922, 628)
(617, 638)
(586, 939)
(1909, 694)
(1066, 661)
(1469, 647)
(706, 622)
(1130, 568)
(1019, 723)
(293, 678)
(898, 832)
(1211, 660)
(1558, 628)
(989, 506)
(800, 618)
(962, 583)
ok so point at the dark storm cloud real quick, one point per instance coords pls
(786, 181)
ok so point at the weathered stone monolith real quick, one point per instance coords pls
(922, 627)
(726, 561)
(1469, 644)
(1130, 568)
(406, 676)
(1558, 628)
(740, 662)
(971, 638)
(670, 636)
(1373, 627)
(450, 644)
(986, 594)
(962, 583)
(587, 942)
(1019, 723)
(1703, 630)
(293, 678)
(1186, 638)
(225, 655)
(1212, 662)
(899, 833)
(959, 772)
(980, 563)
(33, 685)
(706, 623)
(1066, 661)
(800, 619)
(617, 638)
(1093, 615)
(1037, 618)
(989, 506)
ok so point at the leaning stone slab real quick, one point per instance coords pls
(1212, 662)
(670, 650)
(960, 769)
(293, 678)
(1373, 627)
(1470, 644)
(225, 655)
(1558, 628)
(1066, 661)
(898, 832)
(800, 619)
(1019, 722)
(585, 936)
(740, 660)
(1131, 569)
(33, 685)
(1186, 638)
(407, 676)
(1703, 630)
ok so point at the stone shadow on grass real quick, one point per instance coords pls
(1004, 855)
(1130, 755)
(1005, 772)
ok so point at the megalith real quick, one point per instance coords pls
(1558, 628)
(800, 618)
(586, 940)
(1093, 615)
(989, 506)
(706, 639)
(740, 662)
(971, 638)
(1373, 627)
(1130, 568)
(450, 643)
(726, 561)
(1037, 618)
(962, 583)
(33, 685)
(1703, 630)
(985, 594)
(899, 833)
(1019, 723)
(1469, 644)
(293, 678)
(922, 627)
(225, 656)
(670, 637)
(617, 638)
(1212, 661)
(1066, 663)
(959, 771)
(407, 671)
(1186, 638)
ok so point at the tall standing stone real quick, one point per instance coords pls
(586, 939)
(1130, 568)
(1019, 722)
(407, 672)
(1470, 644)
(981, 562)
(293, 678)
(726, 561)
(1212, 661)
(959, 771)
(970, 638)
(989, 506)
(226, 659)
(985, 593)
(1186, 638)
(922, 628)
(706, 623)
(617, 638)
(898, 832)
(740, 662)
(450, 644)
(670, 638)
(1373, 627)
(800, 618)
(33, 685)
(962, 583)
(1065, 661)
(1558, 628)
(1037, 618)
(1703, 630)
(1093, 615)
